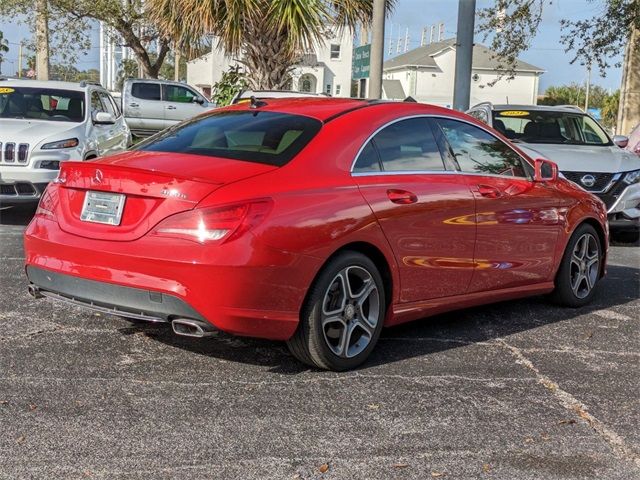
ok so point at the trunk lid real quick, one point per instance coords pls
(156, 185)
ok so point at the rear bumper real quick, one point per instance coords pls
(114, 299)
(240, 287)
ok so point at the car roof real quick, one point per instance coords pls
(540, 108)
(156, 80)
(327, 108)
(75, 86)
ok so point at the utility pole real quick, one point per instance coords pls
(464, 54)
(20, 60)
(176, 71)
(377, 49)
(586, 100)
(42, 39)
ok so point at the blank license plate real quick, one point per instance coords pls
(102, 207)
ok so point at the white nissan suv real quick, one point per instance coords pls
(584, 152)
(43, 123)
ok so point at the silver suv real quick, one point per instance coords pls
(583, 150)
(153, 105)
(45, 123)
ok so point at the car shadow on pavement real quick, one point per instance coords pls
(419, 338)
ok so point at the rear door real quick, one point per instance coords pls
(144, 108)
(424, 207)
(518, 220)
(180, 103)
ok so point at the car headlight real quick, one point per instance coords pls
(68, 143)
(632, 177)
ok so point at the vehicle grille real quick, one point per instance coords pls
(14, 153)
(18, 189)
(602, 180)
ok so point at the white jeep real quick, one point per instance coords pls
(43, 123)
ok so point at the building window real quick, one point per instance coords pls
(328, 90)
(335, 51)
(337, 90)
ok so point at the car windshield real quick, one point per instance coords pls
(41, 104)
(254, 136)
(537, 126)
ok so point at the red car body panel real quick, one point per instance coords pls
(455, 247)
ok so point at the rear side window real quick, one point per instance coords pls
(404, 146)
(263, 137)
(146, 91)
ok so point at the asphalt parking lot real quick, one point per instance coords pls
(519, 390)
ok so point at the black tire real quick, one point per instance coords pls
(626, 236)
(320, 345)
(576, 281)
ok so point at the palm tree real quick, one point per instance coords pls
(268, 36)
(4, 48)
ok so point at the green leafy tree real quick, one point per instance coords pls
(4, 48)
(574, 94)
(609, 109)
(128, 69)
(232, 81)
(268, 36)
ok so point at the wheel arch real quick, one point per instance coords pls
(377, 257)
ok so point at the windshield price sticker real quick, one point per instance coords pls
(514, 113)
(5, 90)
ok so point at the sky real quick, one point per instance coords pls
(545, 52)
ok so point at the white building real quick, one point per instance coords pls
(326, 69)
(112, 53)
(428, 73)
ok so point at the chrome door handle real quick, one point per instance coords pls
(171, 107)
(134, 105)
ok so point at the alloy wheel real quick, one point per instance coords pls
(585, 265)
(350, 311)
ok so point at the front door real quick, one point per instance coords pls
(180, 103)
(426, 210)
(518, 220)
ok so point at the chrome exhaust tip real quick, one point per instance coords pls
(34, 291)
(187, 327)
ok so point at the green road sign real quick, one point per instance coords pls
(361, 62)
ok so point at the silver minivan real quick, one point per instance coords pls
(151, 105)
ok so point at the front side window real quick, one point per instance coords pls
(176, 93)
(548, 126)
(477, 151)
(146, 91)
(96, 103)
(263, 137)
(42, 104)
(109, 106)
(404, 146)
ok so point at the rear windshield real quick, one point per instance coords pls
(263, 137)
(41, 104)
(536, 126)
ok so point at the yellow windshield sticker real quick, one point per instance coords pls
(513, 113)
(5, 90)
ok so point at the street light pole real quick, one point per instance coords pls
(377, 49)
(464, 54)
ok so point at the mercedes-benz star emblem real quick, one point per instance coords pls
(97, 177)
(588, 180)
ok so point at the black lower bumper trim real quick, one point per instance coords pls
(110, 298)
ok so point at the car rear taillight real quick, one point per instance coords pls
(47, 205)
(216, 224)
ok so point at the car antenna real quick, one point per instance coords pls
(255, 103)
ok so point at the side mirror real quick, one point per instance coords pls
(103, 118)
(545, 170)
(199, 100)
(621, 141)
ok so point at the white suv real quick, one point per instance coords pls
(45, 123)
(584, 152)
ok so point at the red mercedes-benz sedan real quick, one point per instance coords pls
(314, 221)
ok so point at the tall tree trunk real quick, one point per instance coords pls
(629, 109)
(268, 60)
(42, 39)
